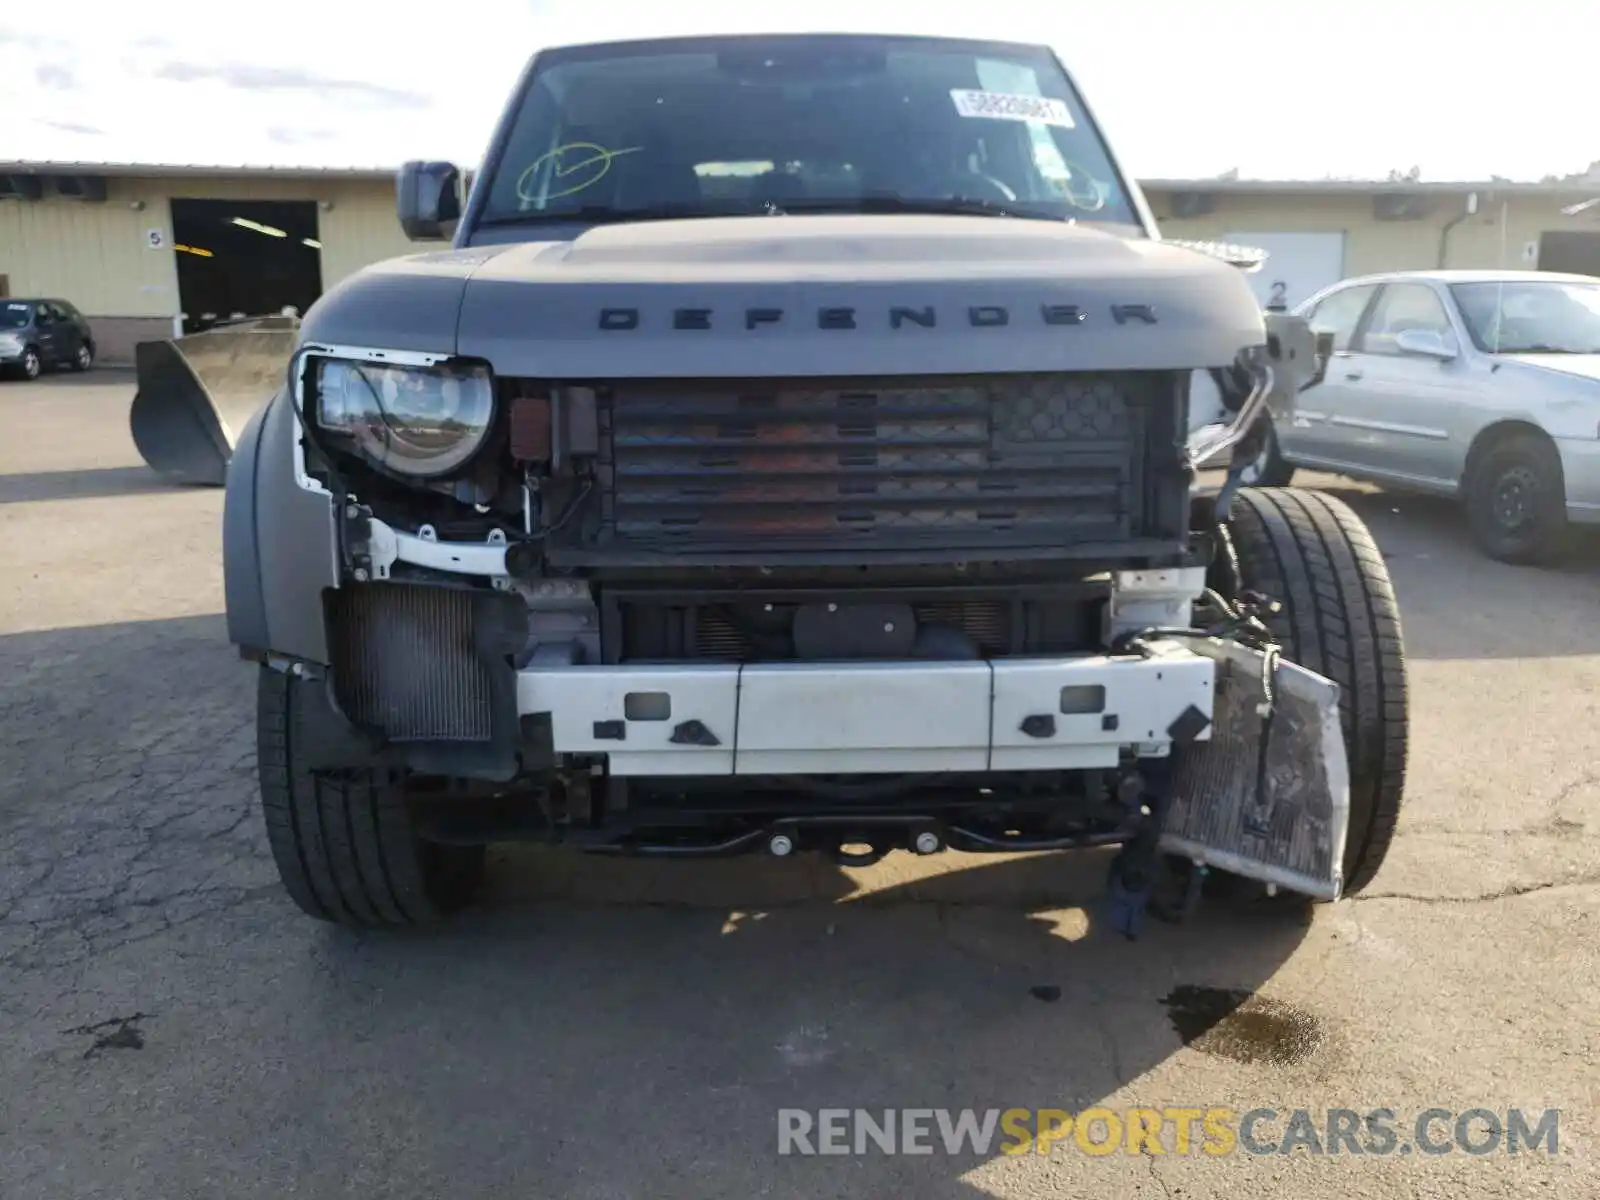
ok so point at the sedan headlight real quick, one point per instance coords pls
(422, 422)
(10, 343)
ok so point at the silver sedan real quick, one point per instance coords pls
(1483, 385)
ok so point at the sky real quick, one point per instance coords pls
(1297, 89)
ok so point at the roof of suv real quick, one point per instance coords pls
(674, 41)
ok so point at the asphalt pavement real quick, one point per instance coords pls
(172, 1027)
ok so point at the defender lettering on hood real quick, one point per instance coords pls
(979, 316)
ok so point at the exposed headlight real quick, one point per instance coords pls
(10, 343)
(418, 421)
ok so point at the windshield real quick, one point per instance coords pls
(1531, 317)
(15, 315)
(787, 125)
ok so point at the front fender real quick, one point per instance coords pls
(280, 546)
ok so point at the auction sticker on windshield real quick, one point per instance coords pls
(1008, 106)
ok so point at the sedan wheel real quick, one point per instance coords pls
(1516, 502)
(84, 358)
(30, 364)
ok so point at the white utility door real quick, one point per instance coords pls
(1297, 266)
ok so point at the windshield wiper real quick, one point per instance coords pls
(605, 214)
(888, 202)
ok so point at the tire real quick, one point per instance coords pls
(345, 844)
(31, 366)
(1313, 554)
(84, 358)
(1270, 468)
(1516, 503)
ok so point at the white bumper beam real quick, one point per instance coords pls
(870, 717)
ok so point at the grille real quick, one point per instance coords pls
(1042, 459)
(404, 662)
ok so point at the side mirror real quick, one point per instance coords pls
(1424, 342)
(428, 200)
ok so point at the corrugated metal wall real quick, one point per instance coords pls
(361, 229)
(95, 255)
(99, 256)
(1372, 245)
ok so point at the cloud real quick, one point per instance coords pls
(261, 78)
(56, 76)
(74, 127)
(15, 37)
(298, 137)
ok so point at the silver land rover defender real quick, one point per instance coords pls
(795, 450)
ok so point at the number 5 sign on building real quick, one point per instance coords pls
(155, 239)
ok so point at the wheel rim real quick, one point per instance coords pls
(30, 365)
(1515, 499)
(83, 356)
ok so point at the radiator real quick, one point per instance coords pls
(405, 662)
(1291, 829)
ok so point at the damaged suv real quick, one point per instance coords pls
(796, 451)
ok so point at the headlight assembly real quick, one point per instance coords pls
(421, 422)
(10, 343)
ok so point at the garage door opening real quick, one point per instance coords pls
(245, 258)
(1570, 251)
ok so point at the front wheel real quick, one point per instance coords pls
(345, 843)
(1516, 503)
(31, 366)
(1314, 555)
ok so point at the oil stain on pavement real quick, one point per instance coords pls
(1242, 1026)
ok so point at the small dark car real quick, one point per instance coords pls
(36, 334)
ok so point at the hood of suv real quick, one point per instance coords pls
(814, 296)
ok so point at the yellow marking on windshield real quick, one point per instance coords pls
(588, 161)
